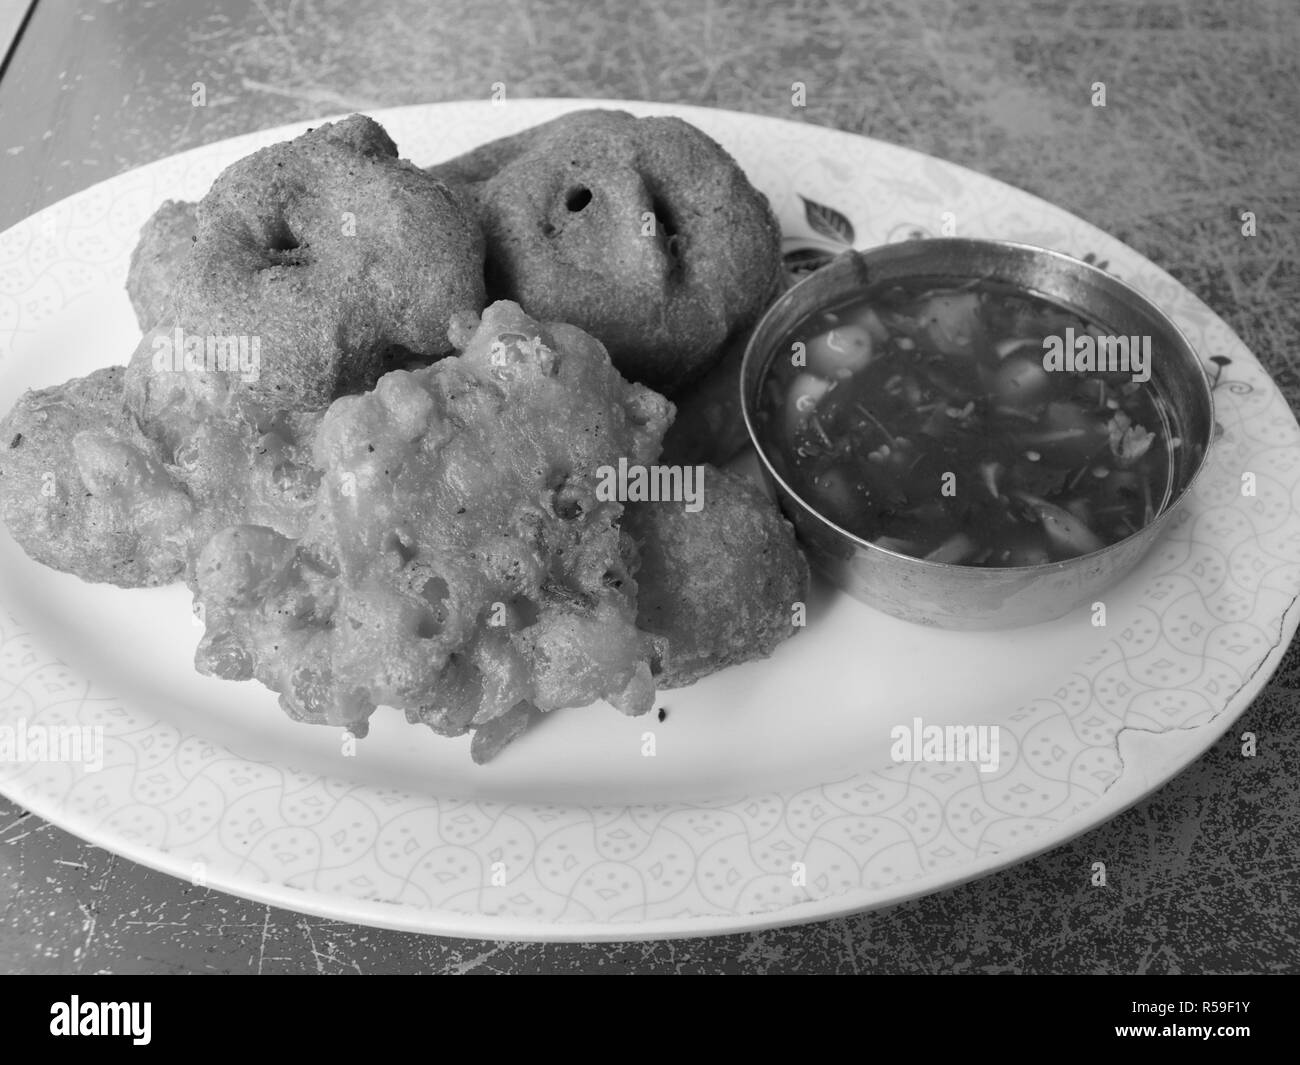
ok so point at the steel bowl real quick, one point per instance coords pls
(976, 597)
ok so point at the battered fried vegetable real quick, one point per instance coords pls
(459, 564)
(248, 466)
(336, 258)
(314, 266)
(156, 263)
(439, 541)
(717, 586)
(317, 264)
(642, 231)
(83, 491)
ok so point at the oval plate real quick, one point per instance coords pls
(771, 796)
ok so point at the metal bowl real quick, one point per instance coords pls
(975, 597)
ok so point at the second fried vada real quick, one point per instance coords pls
(719, 585)
(459, 563)
(642, 231)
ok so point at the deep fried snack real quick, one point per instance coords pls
(333, 258)
(315, 265)
(710, 424)
(156, 262)
(642, 231)
(249, 467)
(718, 586)
(81, 490)
(459, 564)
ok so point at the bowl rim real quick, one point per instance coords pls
(862, 256)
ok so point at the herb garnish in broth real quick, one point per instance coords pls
(940, 422)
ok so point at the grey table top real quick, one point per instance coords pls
(1199, 126)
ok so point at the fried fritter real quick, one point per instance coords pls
(333, 258)
(156, 262)
(717, 586)
(83, 491)
(458, 564)
(710, 424)
(248, 466)
(315, 265)
(642, 231)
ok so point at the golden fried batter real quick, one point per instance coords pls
(458, 563)
(718, 586)
(83, 491)
(360, 528)
(642, 231)
(333, 258)
(156, 262)
(315, 265)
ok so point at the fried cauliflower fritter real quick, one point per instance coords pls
(165, 242)
(642, 231)
(716, 586)
(458, 564)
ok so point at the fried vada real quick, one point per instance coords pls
(308, 269)
(334, 258)
(718, 585)
(642, 231)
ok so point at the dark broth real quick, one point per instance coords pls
(922, 418)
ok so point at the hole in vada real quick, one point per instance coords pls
(577, 198)
(281, 238)
(666, 227)
(663, 217)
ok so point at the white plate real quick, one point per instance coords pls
(760, 770)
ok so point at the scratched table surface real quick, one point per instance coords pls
(1199, 126)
